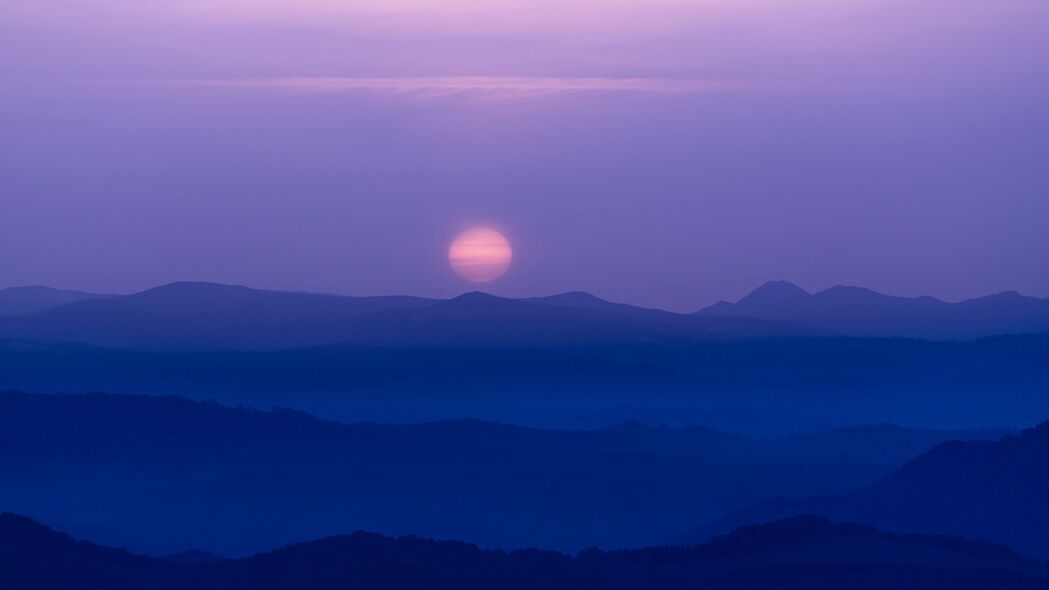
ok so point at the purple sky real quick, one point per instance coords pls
(662, 152)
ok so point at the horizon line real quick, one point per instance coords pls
(523, 297)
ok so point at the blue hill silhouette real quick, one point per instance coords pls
(16, 301)
(192, 316)
(802, 552)
(831, 381)
(164, 474)
(855, 311)
(206, 316)
(987, 490)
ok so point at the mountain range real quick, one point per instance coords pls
(15, 301)
(781, 384)
(799, 553)
(854, 311)
(165, 474)
(207, 316)
(190, 479)
(990, 490)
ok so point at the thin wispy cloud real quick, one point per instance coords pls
(489, 86)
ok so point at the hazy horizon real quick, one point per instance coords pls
(399, 267)
(485, 288)
(697, 149)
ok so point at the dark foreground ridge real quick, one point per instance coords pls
(802, 552)
(990, 490)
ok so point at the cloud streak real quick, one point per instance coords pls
(488, 86)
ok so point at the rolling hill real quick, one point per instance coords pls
(206, 316)
(191, 316)
(990, 490)
(805, 552)
(164, 475)
(17, 301)
(854, 311)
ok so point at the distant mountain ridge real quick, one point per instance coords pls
(15, 301)
(189, 316)
(795, 384)
(990, 490)
(802, 552)
(209, 316)
(854, 311)
(206, 316)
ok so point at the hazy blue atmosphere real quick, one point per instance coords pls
(511, 294)
(697, 148)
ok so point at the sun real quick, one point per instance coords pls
(480, 255)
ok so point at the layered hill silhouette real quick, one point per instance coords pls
(830, 381)
(804, 552)
(855, 311)
(995, 491)
(264, 347)
(164, 474)
(16, 301)
(207, 316)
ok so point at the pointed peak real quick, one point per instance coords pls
(574, 298)
(473, 302)
(777, 290)
(476, 296)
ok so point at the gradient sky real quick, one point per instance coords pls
(662, 152)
